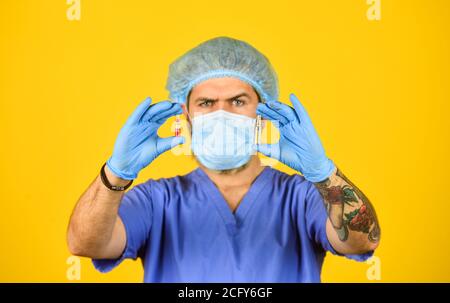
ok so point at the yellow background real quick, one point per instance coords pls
(376, 91)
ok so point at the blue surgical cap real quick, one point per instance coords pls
(222, 57)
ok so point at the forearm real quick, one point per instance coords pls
(94, 218)
(351, 214)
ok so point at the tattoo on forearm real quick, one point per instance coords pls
(348, 208)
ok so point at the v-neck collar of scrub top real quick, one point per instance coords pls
(233, 220)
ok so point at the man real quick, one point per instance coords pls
(231, 219)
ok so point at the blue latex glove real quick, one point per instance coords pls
(299, 146)
(138, 143)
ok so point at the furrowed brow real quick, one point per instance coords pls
(239, 95)
(203, 99)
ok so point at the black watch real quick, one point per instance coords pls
(108, 185)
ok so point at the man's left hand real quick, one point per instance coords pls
(299, 146)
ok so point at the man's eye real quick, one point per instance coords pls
(205, 103)
(238, 102)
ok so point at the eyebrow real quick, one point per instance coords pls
(229, 99)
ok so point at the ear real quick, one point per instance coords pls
(184, 108)
(186, 116)
(185, 111)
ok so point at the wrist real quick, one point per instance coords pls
(119, 173)
(114, 179)
(322, 172)
(333, 174)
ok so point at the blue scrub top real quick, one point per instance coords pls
(184, 231)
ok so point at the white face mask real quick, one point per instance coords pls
(223, 140)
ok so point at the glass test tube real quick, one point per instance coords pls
(177, 126)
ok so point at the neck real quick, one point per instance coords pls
(238, 177)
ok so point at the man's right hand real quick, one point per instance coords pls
(138, 143)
